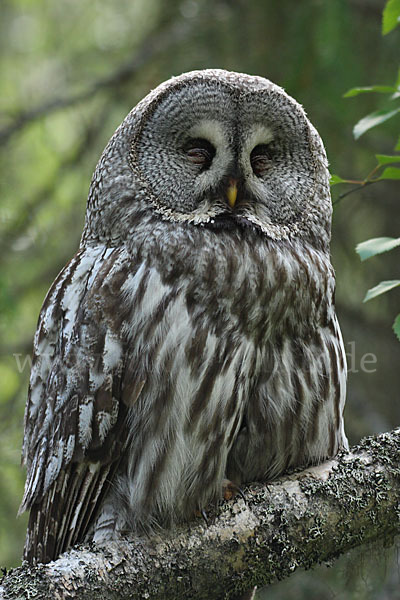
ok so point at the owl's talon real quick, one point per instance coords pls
(231, 489)
(202, 513)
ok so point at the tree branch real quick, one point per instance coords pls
(362, 186)
(301, 520)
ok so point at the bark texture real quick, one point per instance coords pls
(301, 520)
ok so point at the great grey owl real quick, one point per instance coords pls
(192, 340)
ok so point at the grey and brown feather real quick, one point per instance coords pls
(188, 340)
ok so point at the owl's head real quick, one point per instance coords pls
(220, 150)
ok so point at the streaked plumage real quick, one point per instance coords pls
(191, 338)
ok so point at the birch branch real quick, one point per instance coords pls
(301, 520)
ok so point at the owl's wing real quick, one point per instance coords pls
(75, 419)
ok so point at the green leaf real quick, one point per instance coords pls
(391, 16)
(376, 246)
(381, 89)
(372, 120)
(381, 288)
(390, 173)
(336, 179)
(397, 146)
(385, 159)
(396, 326)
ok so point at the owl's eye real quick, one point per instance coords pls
(199, 152)
(260, 159)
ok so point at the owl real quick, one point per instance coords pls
(191, 345)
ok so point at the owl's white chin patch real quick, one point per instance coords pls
(217, 217)
(273, 230)
(204, 214)
(196, 217)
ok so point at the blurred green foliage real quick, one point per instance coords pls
(381, 171)
(71, 71)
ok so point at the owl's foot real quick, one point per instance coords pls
(231, 489)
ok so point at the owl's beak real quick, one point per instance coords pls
(231, 192)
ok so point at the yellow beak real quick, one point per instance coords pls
(231, 193)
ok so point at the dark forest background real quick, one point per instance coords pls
(70, 71)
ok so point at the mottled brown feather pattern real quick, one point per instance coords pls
(187, 341)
